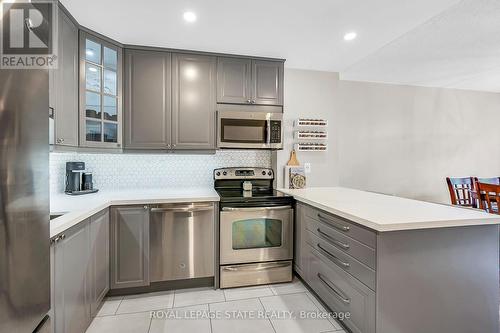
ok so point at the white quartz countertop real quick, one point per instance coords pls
(389, 213)
(79, 208)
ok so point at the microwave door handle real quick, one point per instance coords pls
(268, 131)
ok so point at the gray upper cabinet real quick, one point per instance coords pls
(129, 246)
(99, 259)
(247, 81)
(63, 89)
(234, 80)
(193, 101)
(100, 93)
(267, 82)
(71, 275)
(147, 99)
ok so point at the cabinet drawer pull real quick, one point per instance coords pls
(339, 227)
(333, 240)
(332, 287)
(334, 258)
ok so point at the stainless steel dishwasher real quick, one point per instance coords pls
(182, 241)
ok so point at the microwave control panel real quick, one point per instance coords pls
(275, 131)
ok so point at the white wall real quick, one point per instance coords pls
(309, 94)
(405, 140)
(394, 139)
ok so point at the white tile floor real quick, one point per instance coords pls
(205, 310)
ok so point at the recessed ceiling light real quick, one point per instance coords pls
(350, 36)
(189, 17)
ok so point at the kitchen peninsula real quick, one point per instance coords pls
(398, 265)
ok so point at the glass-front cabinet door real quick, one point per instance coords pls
(100, 92)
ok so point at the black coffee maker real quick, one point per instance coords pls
(78, 181)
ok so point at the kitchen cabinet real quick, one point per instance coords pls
(267, 82)
(71, 275)
(147, 108)
(63, 85)
(169, 100)
(249, 81)
(79, 273)
(193, 101)
(129, 246)
(99, 259)
(100, 93)
(234, 80)
(337, 259)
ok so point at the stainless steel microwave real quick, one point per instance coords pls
(249, 129)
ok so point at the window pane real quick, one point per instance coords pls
(110, 108)
(256, 233)
(92, 105)
(110, 58)
(110, 132)
(110, 82)
(93, 130)
(92, 51)
(93, 77)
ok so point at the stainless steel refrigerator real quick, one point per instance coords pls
(24, 201)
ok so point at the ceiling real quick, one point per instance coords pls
(449, 43)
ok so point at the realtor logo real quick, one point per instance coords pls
(28, 32)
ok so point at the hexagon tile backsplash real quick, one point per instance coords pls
(129, 171)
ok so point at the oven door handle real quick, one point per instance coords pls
(254, 209)
(260, 268)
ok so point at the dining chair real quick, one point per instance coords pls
(489, 197)
(493, 180)
(460, 191)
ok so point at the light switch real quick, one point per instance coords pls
(307, 167)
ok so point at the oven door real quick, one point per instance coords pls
(244, 129)
(256, 234)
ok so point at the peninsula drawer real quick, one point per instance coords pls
(344, 226)
(342, 260)
(343, 293)
(342, 242)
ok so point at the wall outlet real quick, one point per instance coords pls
(307, 167)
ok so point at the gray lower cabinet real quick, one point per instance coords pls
(129, 246)
(193, 101)
(249, 81)
(71, 277)
(80, 273)
(63, 87)
(337, 259)
(147, 90)
(99, 259)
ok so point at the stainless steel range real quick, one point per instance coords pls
(256, 228)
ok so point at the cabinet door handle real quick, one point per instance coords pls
(249, 101)
(344, 246)
(340, 295)
(333, 257)
(253, 102)
(339, 227)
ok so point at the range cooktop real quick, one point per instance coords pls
(230, 184)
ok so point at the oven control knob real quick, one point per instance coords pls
(224, 173)
(263, 173)
(218, 173)
(269, 173)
